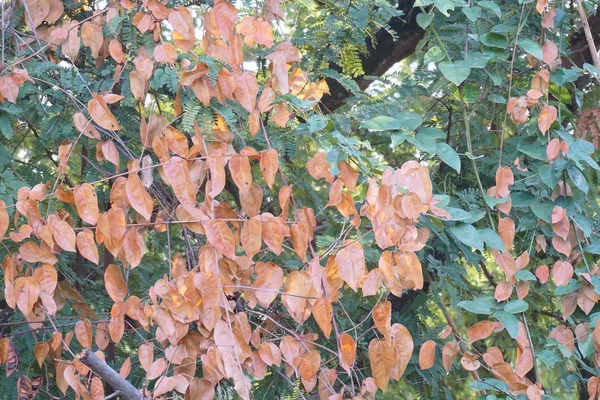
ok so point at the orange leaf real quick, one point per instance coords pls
(351, 263)
(546, 118)
(241, 174)
(503, 291)
(504, 178)
(382, 316)
(116, 51)
(323, 314)
(219, 235)
(403, 349)
(63, 235)
(85, 126)
(114, 283)
(47, 277)
(4, 219)
(101, 114)
(449, 351)
(272, 234)
(40, 351)
(562, 272)
(308, 364)
(480, 330)
(250, 236)
(137, 196)
(110, 152)
(542, 272)
(269, 165)
(427, 355)
(86, 203)
(27, 291)
(146, 355)
(32, 253)
(83, 333)
(347, 351)
(299, 240)
(269, 278)
(134, 247)
(269, 353)
(381, 357)
(92, 37)
(246, 89)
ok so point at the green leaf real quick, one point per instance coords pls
(542, 210)
(5, 125)
(516, 306)
(593, 248)
(381, 123)
(490, 5)
(424, 19)
(548, 357)
(433, 55)
(405, 120)
(448, 155)
(531, 47)
(491, 39)
(532, 147)
(482, 305)
(570, 287)
(444, 6)
(548, 175)
(473, 13)
(490, 384)
(456, 72)
(578, 179)
(492, 239)
(525, 275)
(510, 322)
(468, 235)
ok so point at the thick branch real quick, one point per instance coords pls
(381, 57)
(110, 376)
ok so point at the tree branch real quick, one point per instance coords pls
(110, 376)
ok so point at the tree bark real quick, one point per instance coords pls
(381, 57)
(110, 376)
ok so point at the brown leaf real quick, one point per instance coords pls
(269, 353)
(146, 355)
(272, 234)
(503, 291)
(134, 247)
(542, 272)
(308, 364)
